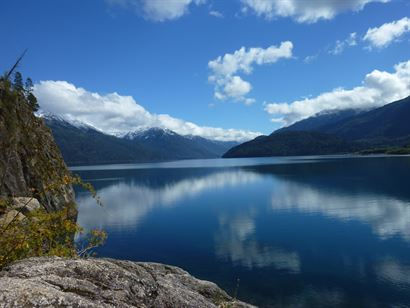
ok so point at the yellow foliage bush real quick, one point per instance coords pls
(38, 234)
(42, 233)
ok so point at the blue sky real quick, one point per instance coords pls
(159, 53)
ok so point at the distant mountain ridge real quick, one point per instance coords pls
(386, 125)
(335, 132)
(290, 143)
(83, 144)
(170, 145)
(389, 124)
(322, 119)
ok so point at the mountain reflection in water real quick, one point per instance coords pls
(313, 233)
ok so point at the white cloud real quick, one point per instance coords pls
(243, 60)
(310, 59)
(378, 88)
(116, 113)
(236, 87)
(158, 10)
(341, 45)
(304, 11)
(382, 36)
(224, 70)
(216, 14)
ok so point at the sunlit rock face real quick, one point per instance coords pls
(106, 283)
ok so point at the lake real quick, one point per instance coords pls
(302, 232)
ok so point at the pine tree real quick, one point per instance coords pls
(29, 85)
(32, 100)
(18, 81)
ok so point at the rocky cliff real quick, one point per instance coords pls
(51, 282)
(31, 164)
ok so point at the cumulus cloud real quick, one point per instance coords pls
(304, 11)
(224, 70)
(378, 88)
(158, 10)
(114, 113)
(236, 87)
(382, 36)
(341, 45)
(216, 14)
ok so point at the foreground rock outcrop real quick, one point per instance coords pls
(50, 282)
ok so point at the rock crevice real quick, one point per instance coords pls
(53, 281)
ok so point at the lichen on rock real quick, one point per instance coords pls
(53, 281)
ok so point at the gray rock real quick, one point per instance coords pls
(18, 210)
(25, 204)
(53, 281)
(10, 216)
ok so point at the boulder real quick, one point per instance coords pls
(10, 216)
(25, 204)
(19, 208)
(53, 281)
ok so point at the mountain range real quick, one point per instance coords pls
(335, 132)
(328, 132)
(83, 144)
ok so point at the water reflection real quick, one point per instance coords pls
(387, 216)
(314, 297)
(311, 233)
(126, 203)
(390, 270)
(235, 240)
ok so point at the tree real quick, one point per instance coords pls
(29, 85)
(18, 81)
(32, 101)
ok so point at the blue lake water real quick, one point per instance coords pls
(300, 232)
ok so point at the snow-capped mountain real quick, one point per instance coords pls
(83, 144)
(147, 133)
(49, 117)
(171, 145)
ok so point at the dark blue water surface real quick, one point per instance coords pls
(299, 232)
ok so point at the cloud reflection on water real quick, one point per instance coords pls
(125, 204)
(387, 216)
(393, 271)
(258, 221)
(235, 241)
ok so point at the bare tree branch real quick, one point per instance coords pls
(16, 64)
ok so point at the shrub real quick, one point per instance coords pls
(41, 233)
